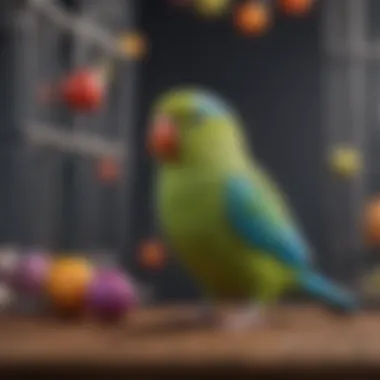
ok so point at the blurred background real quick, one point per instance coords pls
(303, 74)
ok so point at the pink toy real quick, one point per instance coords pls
(31, 272)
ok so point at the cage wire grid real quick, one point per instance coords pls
(350, 103)
(75, 136)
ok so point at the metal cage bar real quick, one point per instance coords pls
(63, 138)
(346, 55)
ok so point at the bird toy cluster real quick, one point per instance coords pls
(250, 17)
(84, 89)
(69, 285)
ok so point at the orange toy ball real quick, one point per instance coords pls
(67, 283)
(372, 222)
(152, 255)
(296, 7)
(108, 170)
(83, 91)
(253, 18)
(134, 45)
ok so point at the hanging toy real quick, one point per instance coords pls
(345, 161)
(151, 255)
(108, 170)
(253, 17)
(296, 7)
(133, 45)
(211, 8)
(85, 89)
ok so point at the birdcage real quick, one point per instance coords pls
(64, 173)
(352, 66)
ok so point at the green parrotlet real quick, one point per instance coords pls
(222, 214)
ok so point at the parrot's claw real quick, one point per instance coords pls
(243, 320)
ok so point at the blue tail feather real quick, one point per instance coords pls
(324, 290)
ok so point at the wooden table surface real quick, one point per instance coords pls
(302, 338)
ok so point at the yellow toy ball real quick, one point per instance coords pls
(211, 8)
(133, 45)
(346, 161)
(67, 283)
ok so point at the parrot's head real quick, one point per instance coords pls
(192, 127)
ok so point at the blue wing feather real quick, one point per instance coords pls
(260, 226)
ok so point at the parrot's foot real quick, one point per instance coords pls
(244, 319)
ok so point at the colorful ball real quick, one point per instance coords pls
(83, 91)
(253, 18)
(67, 283)
(211, 8)
(152, 255)
(110, 295)
(346, 161)
(134, 45)
(31, 273)
(372, 222)
(296, 7)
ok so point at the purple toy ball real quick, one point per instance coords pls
(30, 275)
(111, 295)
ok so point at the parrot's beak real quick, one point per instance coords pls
(163, 139)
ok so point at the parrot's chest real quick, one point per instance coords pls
(193, 219)
(191, 210)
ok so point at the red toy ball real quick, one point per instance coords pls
(83, 91)
(110, 295)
